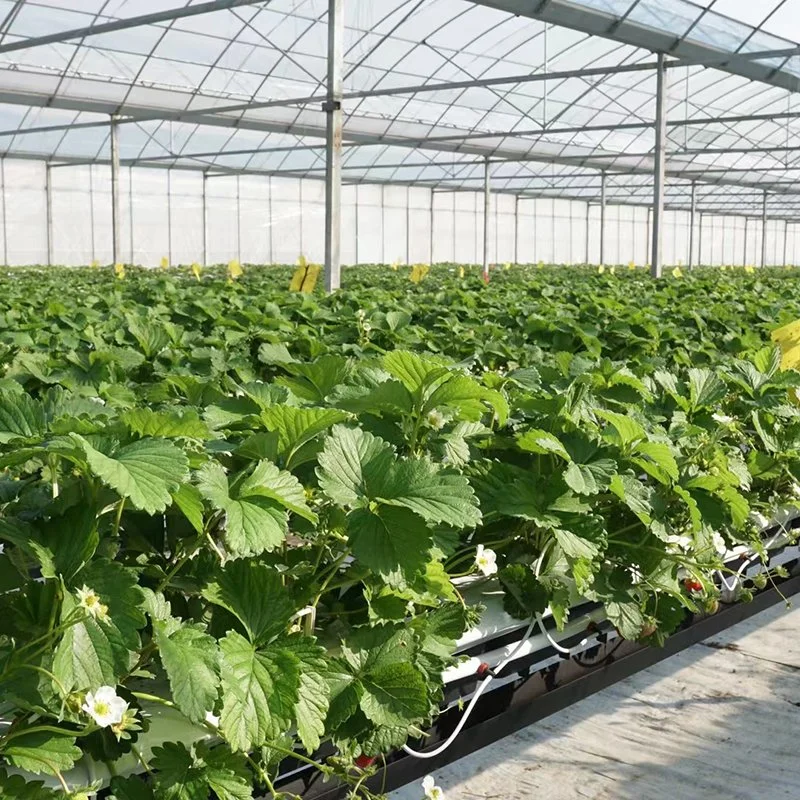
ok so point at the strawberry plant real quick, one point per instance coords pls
(240, 509)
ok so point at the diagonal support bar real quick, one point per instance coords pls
(129, 22)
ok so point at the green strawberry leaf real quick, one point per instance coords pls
(191, 661)
(254, 523)
(145, 472)
(42, 752)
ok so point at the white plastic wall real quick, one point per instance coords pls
(62, 215)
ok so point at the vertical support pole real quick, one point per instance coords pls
(333, 146)
(746, 230)
(785, 241)
(239, 216)
(700, 237)
(487, 210)
(48, 191)
(659, 171)
(300, 216)
(764, 231)
(205, 220)
(602, 217)
(116, 218)
(169, 216)
(691, 225)
(91, 210)
(588, 214)
(516, 229)
(357, 189)
(431, 231)
(408, 224)
(271, 257)
(384, 256)
(130, 208)
(5, 221)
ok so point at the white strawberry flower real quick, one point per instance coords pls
(795, 489)
(679, 542)
(723, 419)
(89, 600)
(486, 560)
(436, 419)
(719, 543)
(105, 706)
(432, 791)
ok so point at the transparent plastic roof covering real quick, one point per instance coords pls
(554, 92)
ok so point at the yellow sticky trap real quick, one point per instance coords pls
(419, 272)
(299, 276)
(677, 272)
(95, 264)
(164, 263)
(788, 339)
(311, 277)
(631, 266)
(119, 271)
(395, 265)
(601, 269)
(461, 272)
(305, 276)
(612, 270)
(507, 265)
(197, 270)
(540, 264)
(749, 270)
(235, 270)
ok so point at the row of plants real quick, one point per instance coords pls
(249, 504)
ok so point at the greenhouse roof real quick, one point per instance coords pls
(553, 92)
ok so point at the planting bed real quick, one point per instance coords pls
(251, 518)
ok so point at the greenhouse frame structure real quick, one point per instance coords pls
(663, 107)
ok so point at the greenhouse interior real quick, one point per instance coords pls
(397, 397)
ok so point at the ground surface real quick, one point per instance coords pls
(718, 720)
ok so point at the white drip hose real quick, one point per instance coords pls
(540, 621)
(537, 620)
(475, 697)
(737, 577)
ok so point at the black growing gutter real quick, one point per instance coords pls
(538, 695)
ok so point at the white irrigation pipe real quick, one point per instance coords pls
(565, 650)
(537, 620)
(737, 577)
(475, 697)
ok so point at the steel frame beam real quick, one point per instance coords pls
(466, 136)
(134, 116)
(130, 22)
(333, 145)
(659, 167)
(595, 22)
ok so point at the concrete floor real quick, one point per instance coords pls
(719, 720)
